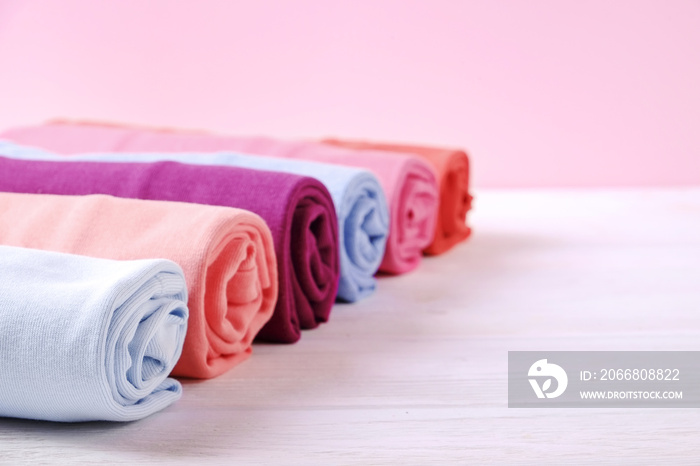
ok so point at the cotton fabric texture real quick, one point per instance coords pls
(452, 167)
(86, 339)
(227, 256)
(360, 204)
(409, 183)
(298, 210)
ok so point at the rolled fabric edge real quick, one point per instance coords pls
(455, 204)
(239, 265)
(413, 210)
(317, 241)
(143, 387)
(363, 217)
(139, 307)
(308, 249)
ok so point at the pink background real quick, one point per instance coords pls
(542, 93)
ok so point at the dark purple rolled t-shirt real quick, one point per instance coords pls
(299, 211)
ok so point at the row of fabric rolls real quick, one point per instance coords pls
(129, 255)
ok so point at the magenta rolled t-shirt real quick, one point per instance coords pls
(298, 210)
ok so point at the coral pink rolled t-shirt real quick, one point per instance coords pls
(227, 255)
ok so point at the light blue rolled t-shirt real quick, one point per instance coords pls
(360, 203)
(87, 339)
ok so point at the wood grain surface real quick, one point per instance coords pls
(417, 373)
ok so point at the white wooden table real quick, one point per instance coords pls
(417, 374)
